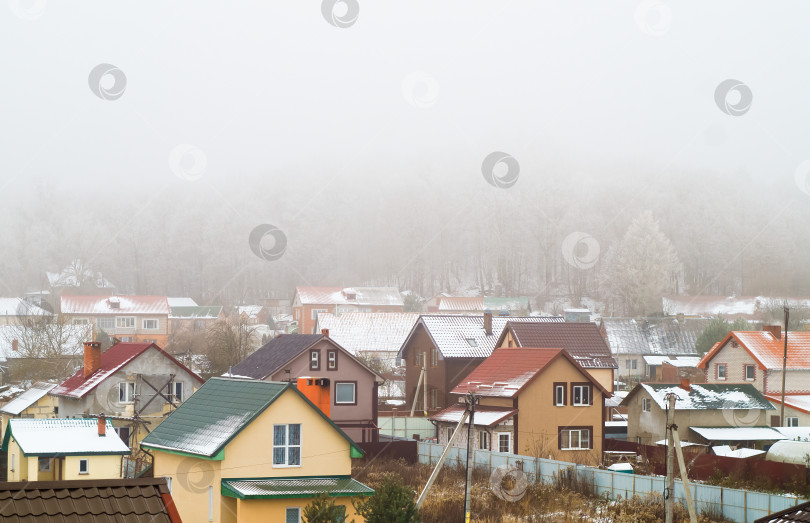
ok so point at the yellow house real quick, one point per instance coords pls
(33, 403)
(249, 450)
(62, 449)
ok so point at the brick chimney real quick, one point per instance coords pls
(776, 330)
(325, 332)
(102, 425)
(488, 322)
(92, 357)
(685, 385)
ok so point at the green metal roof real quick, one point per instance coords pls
(211, 417)
(268, 488)
(199, 311)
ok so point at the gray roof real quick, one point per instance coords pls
(271, 356)
(26, 399)
(368, 331)
(195, 312)
(458, 336)
(666, 335)
(705, 396)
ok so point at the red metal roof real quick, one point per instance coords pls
(112, 360)
(508, 370)
(115, 305)
(767, 349)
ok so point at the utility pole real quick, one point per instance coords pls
(471, 401)
(784, 369)
(669, 494)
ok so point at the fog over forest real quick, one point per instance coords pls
(365, 143)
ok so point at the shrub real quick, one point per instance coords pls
(323, 510)
(392, 502)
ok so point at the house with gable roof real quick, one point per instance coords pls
(351, 385)
(251, 450)
(307, 302)
(62, 449)
(127, 318)
(581, 340)
(447, 348)
(134, 384)
(33, 403)
(369, 334)
(533, 401)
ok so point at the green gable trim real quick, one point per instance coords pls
(356, 452)
(219, 456)
(7, 439)
(293, 487)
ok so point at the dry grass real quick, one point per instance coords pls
(567, 500)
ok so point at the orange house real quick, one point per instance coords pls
(128, 318)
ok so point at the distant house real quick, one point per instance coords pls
(369, 334)
(33, 403)
(632, 339)
(196, 318)
(89, 501)
(540, 402)
(351, 384)
(500, 306)
(252, 314)
(750, 308)
(581, 340)
(133, 383)
(461, 305)
(128, 318)
(14, 311)
(309, 301)
(756, 357)
(78, 278)
(797, 409)
(62, 449)
(248, 450)
(672, 369)
(448, 347)
(698, 406)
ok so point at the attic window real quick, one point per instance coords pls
(471, 342)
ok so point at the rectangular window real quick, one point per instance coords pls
(106, 323)
(314, 313)
(434, 398)
(125, 322)
(123, 433)
(626, 364)
(331, 357)
(287, 445)
(84, 466)
(749, 372)
(345, 393)
(581, 395)
(150, 324)
(792, 421)
(646, 404)
(176, 391)
(575, 439)
(13, 456)
(434, 357)
(126, 392)
(483, 440)
(125, 339)
(44, 464)
(559, 394)
(449, 434)
(721, 371)
(314, 360)
(293, 515)
(504, 441)
(634, 364)
(80, 321)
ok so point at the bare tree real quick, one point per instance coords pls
(230, 341)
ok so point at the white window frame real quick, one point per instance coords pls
(86, 463)
(108, 325)
(646, 405)
(297, 509)
(13, 455)
(585, 390)
(579, 433)
(126, 392)
(118, 433)
(354, 393)
(145, 326)
(753, 372)
(174, 387)
(80, 321)
(509, 441)
(331, 359)
(791, 421)
(123, 322)
(559, 395)
(483, 440)
(286, 446)
(315, 360)
(725, 371)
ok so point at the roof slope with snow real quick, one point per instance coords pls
(767, 349)
(380, 296)
(705, 396)
(485, 416)
(368, 331)
(582, 341)
(114, 305)
(20, 307)
(666, 335)
(63, 436)
(16, 406)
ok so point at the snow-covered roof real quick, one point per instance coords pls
(800, 402)
(675, 361)
(16, 406)
(181, 302)
(51, 338)
(684, 443)
(368, 331)
(20, 307)
(381, 296)
(728, 452)
(485, 416)
(705, 396)
(731, 307)
(251, 311)
(662, 336)
(795, 433)
(766, 348)
(114, 305)
(787, 451)
(63, 436)
(738, 433)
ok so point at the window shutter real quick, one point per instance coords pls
(559, 438)
(590, 394)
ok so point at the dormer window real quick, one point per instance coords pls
(314, 360)
(471, 342)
